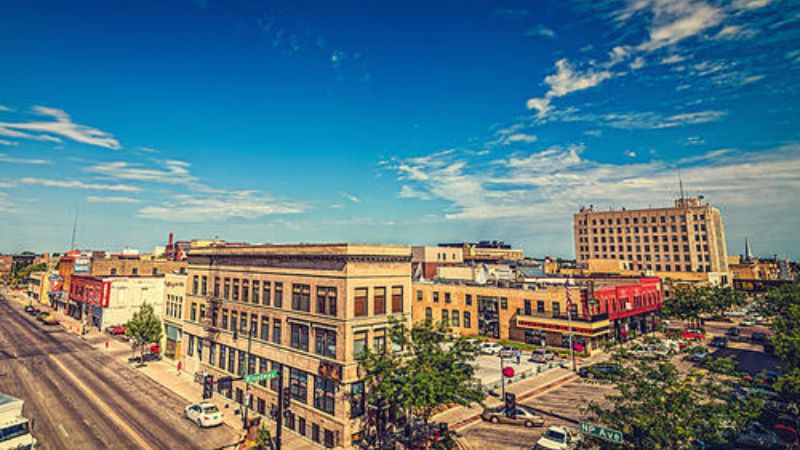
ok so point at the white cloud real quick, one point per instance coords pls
(794, 56)
(674, 20)
(172, 172)
(672, 59)
(8, 159)
(540, 30)
(8, 143)
(565, 81)
(5, 108)
(637, 63)
(750, 4)
(111, 199)
(61, 127)
(76, 184)
(630, 154)
(734, 33)
(694, 140)
(519, 137)
(350, 197)
(407, 191)
(645, 121)
(218, 207)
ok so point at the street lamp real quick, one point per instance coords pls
(569, 282)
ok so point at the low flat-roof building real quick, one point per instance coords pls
(105, 301)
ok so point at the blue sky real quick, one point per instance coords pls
(394, 122)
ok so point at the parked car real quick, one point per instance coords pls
(601, 371)
(42, 316)
(203, 414)
(116, 330)
(507, 352)
(521, 416)
(758, 436)
(542, 355)
(697, 354)
(491, 348)
(758, 337)
(50, 319)
(733, 331)
(719, 341)
(747, 322)
(694, 334)
(558, 438)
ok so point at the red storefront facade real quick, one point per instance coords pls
(631, 307)
(87, 296)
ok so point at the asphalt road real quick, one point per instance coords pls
(83, 399)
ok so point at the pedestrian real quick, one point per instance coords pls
(180, 366)
(518, 354)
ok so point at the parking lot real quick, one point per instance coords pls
(488, 368)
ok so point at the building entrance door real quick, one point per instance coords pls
(488, 317)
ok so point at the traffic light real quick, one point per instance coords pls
(511, 404)
(287, 399)
(225, 382)
(208, 386)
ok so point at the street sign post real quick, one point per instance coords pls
(256, 377)
(601, 432)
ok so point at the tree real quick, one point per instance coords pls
(263, 439)
(783, 303)
(692, 302)
(431, 370)
(144, 328)
(657, 407)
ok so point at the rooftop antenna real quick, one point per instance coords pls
(680, 183)
(74, 230)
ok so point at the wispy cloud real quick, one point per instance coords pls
(565, 81)
(540, 31)
(111, 199)
(9, 159)
(219, 207)
(8, 143)
(350, 197)
(170, 172)
(735, 33)
(641, 120)
(77, 184)
(61, 127)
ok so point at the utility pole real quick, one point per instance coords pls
(279, 419)
(247, 372)
(74, 230)
(569, 321)
(502, 379)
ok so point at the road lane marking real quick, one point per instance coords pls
(103, 406)
(63, 431)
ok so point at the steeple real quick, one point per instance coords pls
(748, 254)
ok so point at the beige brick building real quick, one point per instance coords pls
(309, 309)
(688, 237)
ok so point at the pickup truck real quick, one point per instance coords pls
(694, 334)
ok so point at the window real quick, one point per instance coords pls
(212, 353)
(193, 312)
(428, 314)
(326, 342)
(503, 303)
(301, 426)
(216, 286)
(235, 289)
(358, 404)
(467, 319)
(279, 295)
(267, 287)
(324, 392)
(326, 300)
(315, 433)
(265, 328)
(135, 271)
(194, 284)
(361, 302)
(379, 341)
(227, 288)
(241, 363)
(190, 349)
(329, 440)
(468, 299)
(447, 297)
(222, 356)
(298, 385)
(455, 319)
(203, 284)
(556, 308)
(231, 360)
(224, 319)
(435, 297)
(397, 299)
(359, 343)
(262, 367)
(419, 296)
(245, 290)
(256, 291)
(299, 339)
(243, 323)
(273, 383)
(445, 317)
(379, 306)
(276, 331)
(301, 297)
(528, 309)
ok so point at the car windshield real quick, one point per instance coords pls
(554, 435)
(540, 352)
(210, 409)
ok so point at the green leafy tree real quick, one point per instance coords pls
(658, 407)
(263, 439)
(783, 304)
(143, 329)
(431, 370)
(693, 302)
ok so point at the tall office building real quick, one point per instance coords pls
(687, 237)
(309, 310)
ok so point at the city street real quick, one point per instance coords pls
(81, 398)
(562, 405)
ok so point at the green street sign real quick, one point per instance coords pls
(256, 377)
(602, 433)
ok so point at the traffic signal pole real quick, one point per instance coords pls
(247, 372)
(279, 419)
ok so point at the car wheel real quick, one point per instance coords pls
(494, 419)
(528, 424)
